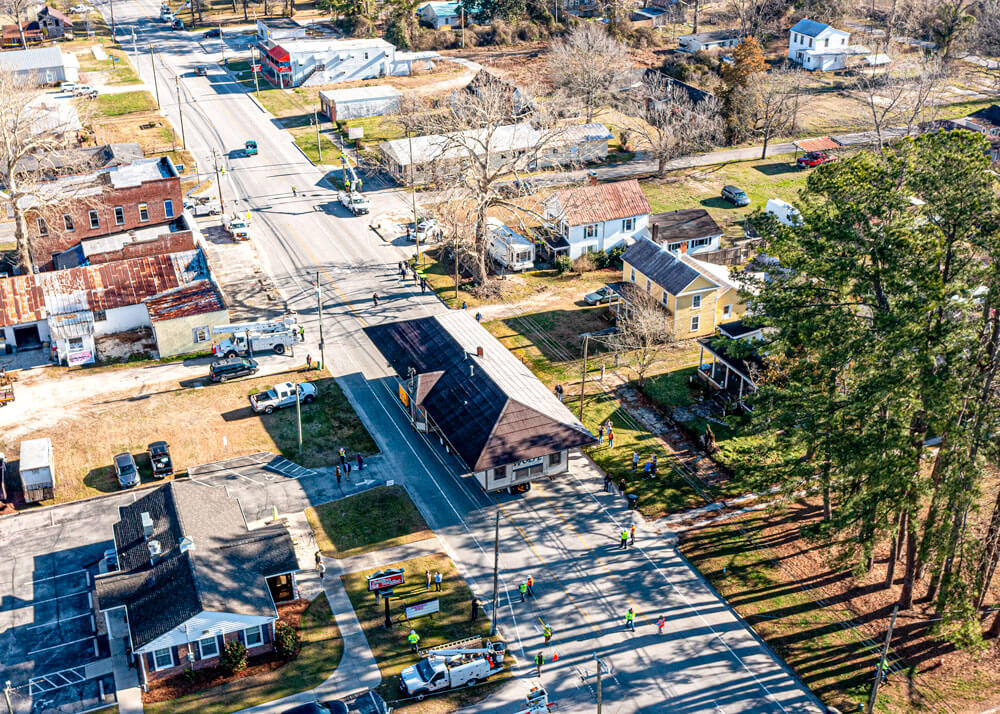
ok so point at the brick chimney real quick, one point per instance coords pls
(592, 177)
(684, 247)
(656, 230)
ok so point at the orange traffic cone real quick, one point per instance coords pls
(555, 657)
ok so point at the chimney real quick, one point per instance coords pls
(684, 247)
(656, 230)
(155, 551)
(592, 177)
(479, 352)
(147, 524)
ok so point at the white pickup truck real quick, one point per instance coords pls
(448, 669)
(355, 202)
(238, 227)
(282, 395)
(203, 205)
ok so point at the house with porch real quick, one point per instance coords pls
(818, 46)
(463, 388)
(191, 576)
(598, 216)
(691, 229)
(730, 362)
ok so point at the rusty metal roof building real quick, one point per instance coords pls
(491, 409)
(30, 298)
(601, 202)
(195, 299)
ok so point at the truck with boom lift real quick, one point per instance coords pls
(351, 197)
(250, 338)
(444, 669)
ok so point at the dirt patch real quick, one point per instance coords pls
(122, 345)
(150, 130)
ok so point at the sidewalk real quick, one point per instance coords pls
(126, 678)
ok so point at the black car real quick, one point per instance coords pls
(159, 459)
(735, 195)
(368, 703)
(232, 367)
(125, 470)
(214, 32)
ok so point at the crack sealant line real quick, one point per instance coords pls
(696, 610)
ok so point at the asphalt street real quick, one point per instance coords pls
(561, 533)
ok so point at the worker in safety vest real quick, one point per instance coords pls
(523, 589)
(413, 638)
(630, 620)
(531, 586)
(624, 543)
(539, 661)
(659, 624)
(548, 634)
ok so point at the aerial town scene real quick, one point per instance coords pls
(500, 356)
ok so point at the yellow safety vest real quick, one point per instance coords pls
(413, 638)
(629, 616)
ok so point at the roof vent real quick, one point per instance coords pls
(147, 524)
(186, 544)
(155, 550)
(472, 370)
(479, 351)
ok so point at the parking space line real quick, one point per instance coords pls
(60, 597)
(63, 575)
(64, 644)
(63, 619)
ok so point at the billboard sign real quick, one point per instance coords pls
(424, 607)
(385, 579)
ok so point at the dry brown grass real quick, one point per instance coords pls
(159, 138)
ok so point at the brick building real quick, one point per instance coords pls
(112, 200)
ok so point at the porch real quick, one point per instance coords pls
(729, 377)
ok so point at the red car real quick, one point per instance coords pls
(815, 158)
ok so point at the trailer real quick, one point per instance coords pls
(509, 249)
(37, 470)
(250, 338)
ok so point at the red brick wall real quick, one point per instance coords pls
(152, 193)
(181, 652)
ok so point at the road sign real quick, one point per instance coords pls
(255, 67)
(385, 579)
(424, 607)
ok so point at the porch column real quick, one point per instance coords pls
(295, 587)
(701, 357)
(725, 380)
(715, 361)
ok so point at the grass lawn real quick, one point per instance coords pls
(380, 518)
(376, 129)
(773, 177)
(305, 139)
(452, 623)
(116, 105)
(116, 73)
(293, 106)
(319, 656)
(194, 421)
(150, 130)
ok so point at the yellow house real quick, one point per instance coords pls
(696, 296)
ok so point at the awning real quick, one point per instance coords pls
(820, 143)
(71, 324)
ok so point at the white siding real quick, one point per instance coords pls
(123, 318)
(610, 234)
(204, 625)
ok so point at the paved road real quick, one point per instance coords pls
(709, 661)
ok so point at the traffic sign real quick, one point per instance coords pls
(255, 67)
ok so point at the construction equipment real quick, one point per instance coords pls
(6, 388)
(352, 182)
(445, 669)
(355, 202)
(238, 227)
(536, 702)
(250, 338)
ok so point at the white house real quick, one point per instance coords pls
(509, 248)
(716, 39)
(598, 217)
(291, 63)
(372, 101)
(441, 14)
(817, 46)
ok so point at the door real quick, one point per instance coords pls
(27, 338)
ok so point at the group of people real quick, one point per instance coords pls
(627, 537)
(403, 267)
(649, 468)
(344, 468)
(436, 579)
(606, 429)
(527, 588)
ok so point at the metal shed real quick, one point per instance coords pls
(38, 473)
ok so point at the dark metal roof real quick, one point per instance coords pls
(809, 28)
(490, 409)
(748, 366)
(989, 116)
(660, 266)
(684, 224)
(223, 571)
(197, 298)
(738, 329)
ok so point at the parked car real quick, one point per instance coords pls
(79, 9)
(285, 394)
(125, 470)
(736, 196)
(786, 213)
(201, 70)
(231, 368)
(214, 32)
(815, 158)
(82, 89)
(600, 295)
(67, 86)
(368, 703)
(159, 459)
(427, 229)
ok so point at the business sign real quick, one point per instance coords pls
(255, 67)
(79, 357)
(527, 462)
(385, 579)
(424, 607)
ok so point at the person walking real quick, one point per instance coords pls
(655, 464)
(607, 483)
(464, 305)
(309, 362)
(647, 469)
(428, 574)
(337, 471)
(600, 435)
(531, 586)
(611, 438)
(659, 625)
(321, 567)
(361, 461)
(347, 470)
(539, 661)
(375, 299)
(621, 486)
(635, 461)
(343, 456)
(437, 581)
(559, 392)
(523, 588)
(423, 285)
(413, 638)
(474, 615)
(548, 634)
(631, 534)
(624, 540)
(479, 317)
(294, 192)
(630, 620)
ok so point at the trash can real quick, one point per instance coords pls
(633, 501)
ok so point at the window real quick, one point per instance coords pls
(695, 322)
(628, 224)
(68, 222)
(201, 334)
(499, 474)
(665, 299)
(631, 275)
(590, 231)
(95, 220)
(100, 315)
(43, 227)
(673, 247)
(75, 343)
(810, 42)
(168, 208)
(209, 647)
(162, 659)
(555, 459)
(253, 636)
(143, 212)
(119, 216)
(727, 310)
(696, 302)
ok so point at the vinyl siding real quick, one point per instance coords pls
(679, 307)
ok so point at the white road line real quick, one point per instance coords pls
(61, 619)
(62, 575)
(60, 597)
(65, 644)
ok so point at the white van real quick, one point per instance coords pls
(786, 213)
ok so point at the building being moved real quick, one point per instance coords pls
(459, 383)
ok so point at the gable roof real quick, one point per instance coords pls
(443, 9)
(987, 116)
(661, 266)
(26, 60)
(52, 12)
(811, 28)
(223, 571)
(491, 409)
(602, 202)
(684, 224)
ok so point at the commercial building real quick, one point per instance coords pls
(290, 63)
(464, 388)
(43, 65)
(191, 577)
(357, 102)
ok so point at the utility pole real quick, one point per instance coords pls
(152, 64)
(319, 311)
(463, 26)
(598, 660)
(413, 197)
(180, 108)
(319, 146)
(114, 31)
(218, 181)
(6, 696)
(298, 416)
(881, 661)
(255, 65)
(583, 376)
(496, 575)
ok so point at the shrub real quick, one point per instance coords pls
(528, 32)
(563, 264)
(615, 257)
(585, 263)
(600, 260)
(286, 640)
(234, 657)
(502, 34)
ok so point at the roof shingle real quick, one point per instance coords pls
(660, 265)
(602, 202)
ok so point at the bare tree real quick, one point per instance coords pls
(668, 123)
(894, 100)
(752, 16)
(586, 66)
(643, 332)
(768, 104)
(18, 9)
(29, 135)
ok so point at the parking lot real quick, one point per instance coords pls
(48, 645)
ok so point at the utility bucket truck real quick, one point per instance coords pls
(450, 668)
(351, 197)
(251, 338)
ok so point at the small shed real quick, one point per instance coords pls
(38, 472)
(375, 101)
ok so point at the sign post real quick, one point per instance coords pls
(381, 583)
